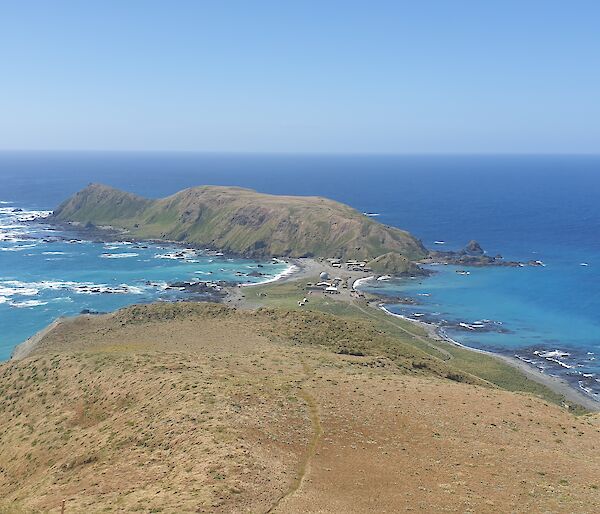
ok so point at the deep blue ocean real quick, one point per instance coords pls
(524, 207)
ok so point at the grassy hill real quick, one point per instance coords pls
(392, 263)
(244, 222)
(202, 408)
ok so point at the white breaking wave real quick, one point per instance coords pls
(560, 363)
(13, 227)
(552, 354)
(13, 249)
(11, 288)
(118, 255)
(27, 303)
(360, 281)
(20, 290)
(117, 245)
(23, 215)
(32, 215)
(186, 254)
(291, 269)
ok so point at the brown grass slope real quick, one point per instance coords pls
(201, 408)
(243, 221)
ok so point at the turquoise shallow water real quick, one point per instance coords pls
(524, 207)
(45, 273)
(487, 309)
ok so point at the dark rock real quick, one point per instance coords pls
(90, 311)
(474, 248)
(472, 255)
(255, 274)
(535, 263)
(215, 289)
(397, 300)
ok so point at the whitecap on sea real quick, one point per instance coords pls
(17, 288)
(118, 255)
(552, 354)
(18, 248)
(27, 303)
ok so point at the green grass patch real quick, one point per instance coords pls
(404, 335)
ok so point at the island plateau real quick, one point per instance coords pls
(243, 222)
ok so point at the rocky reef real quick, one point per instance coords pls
(203, 290)
(473, 255)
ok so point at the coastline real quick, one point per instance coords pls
(310, 267)
(297, 268)
(359, 281)
(556, 384)
(304, 268)
(288, 272)
(27, 347)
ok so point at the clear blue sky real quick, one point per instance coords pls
(301, 76)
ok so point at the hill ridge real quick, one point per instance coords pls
(242, 221)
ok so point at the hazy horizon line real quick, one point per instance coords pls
(296, 153)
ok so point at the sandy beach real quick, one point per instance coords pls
(298, 269)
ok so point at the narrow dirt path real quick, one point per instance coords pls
(317, 431)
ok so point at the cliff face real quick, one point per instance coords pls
(243, 221)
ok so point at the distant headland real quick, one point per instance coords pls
(247, 223)
(243, 222)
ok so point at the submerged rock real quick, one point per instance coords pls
(91, 311)
(399, 300)
(256, 274)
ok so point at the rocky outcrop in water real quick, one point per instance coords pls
(207, 291)
(474, 248)
(472, 255)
